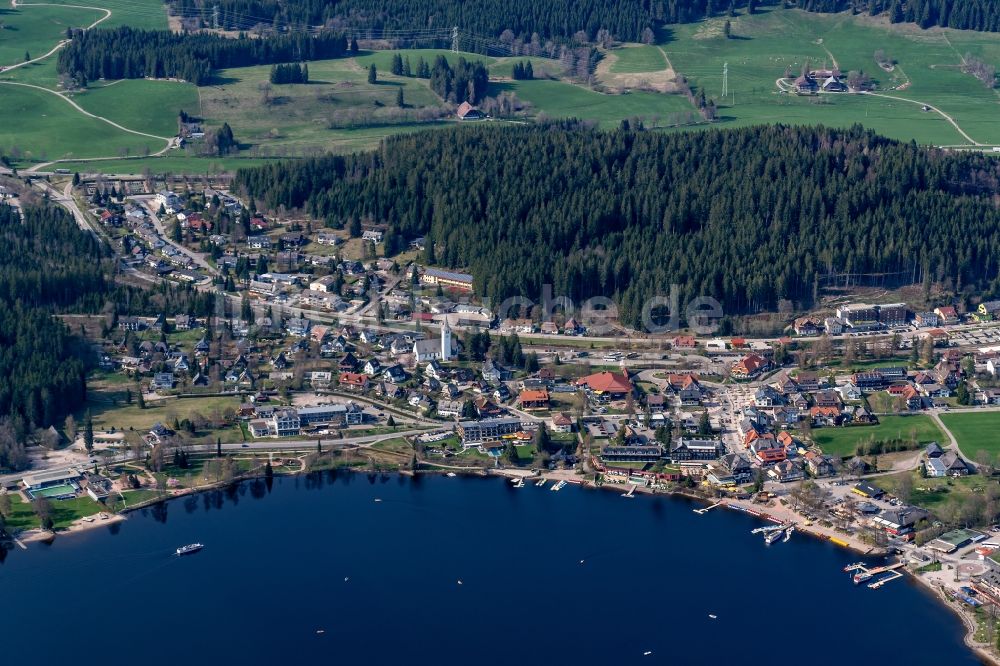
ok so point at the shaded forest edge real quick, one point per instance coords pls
(755, 218)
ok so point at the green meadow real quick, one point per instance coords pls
(765, 44)
(560, 99)
(174, 162)
(975, 432)
(37, 29)
(41, 126)
(147, 14)
(148, 106)
(636, 59)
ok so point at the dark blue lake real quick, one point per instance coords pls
(274, 567)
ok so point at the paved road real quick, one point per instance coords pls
(197, 258)
(261, 445)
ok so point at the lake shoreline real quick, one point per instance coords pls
(777, 515)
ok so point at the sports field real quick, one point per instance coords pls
(843, 442)
(975, 432)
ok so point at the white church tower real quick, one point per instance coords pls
(445, 340)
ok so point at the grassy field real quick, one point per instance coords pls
(173, 162)
(292, 119)
(37, 29)
(109, 409)
(64, 512)
(148, 106)
(932, 493)
(42, 126)
(773, 40)
(634, 59)
(843, 441)
(148, 14)
(560, 99)
(383, 59)
(975, 432)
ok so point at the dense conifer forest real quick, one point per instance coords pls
(627, 20)
(46, 264)
(750, 217)
(130, 53)
(49, 266)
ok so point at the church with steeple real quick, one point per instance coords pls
(434, 350)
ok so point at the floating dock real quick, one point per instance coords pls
(863, 573)
(559, 486)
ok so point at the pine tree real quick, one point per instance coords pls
(399, 102)
(88, 432)
(372, 74)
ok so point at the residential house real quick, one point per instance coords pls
(947, 315)
(352, 381)
(562, 423)
(298, 327)
(947, 464)
(825, 416)
(786, 471)
(750, 367)
(734, 466)
(820, 465)
(533, 400)
(162, 381)
(493, 372)
(394, 374)
(808, 326)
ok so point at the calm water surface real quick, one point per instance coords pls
(380, 579)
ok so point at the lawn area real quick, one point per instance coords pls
(42, 126)
(37, 29)
(138, 104)
(64, 512)
(635, 58)
(776, 39)
(932, 493)
(843, 441)
(397, 445)
(975, 432)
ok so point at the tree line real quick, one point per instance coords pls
(751, 217)
(290, 73)
(131, 53)
(527, 21)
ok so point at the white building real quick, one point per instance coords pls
(435, 350)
